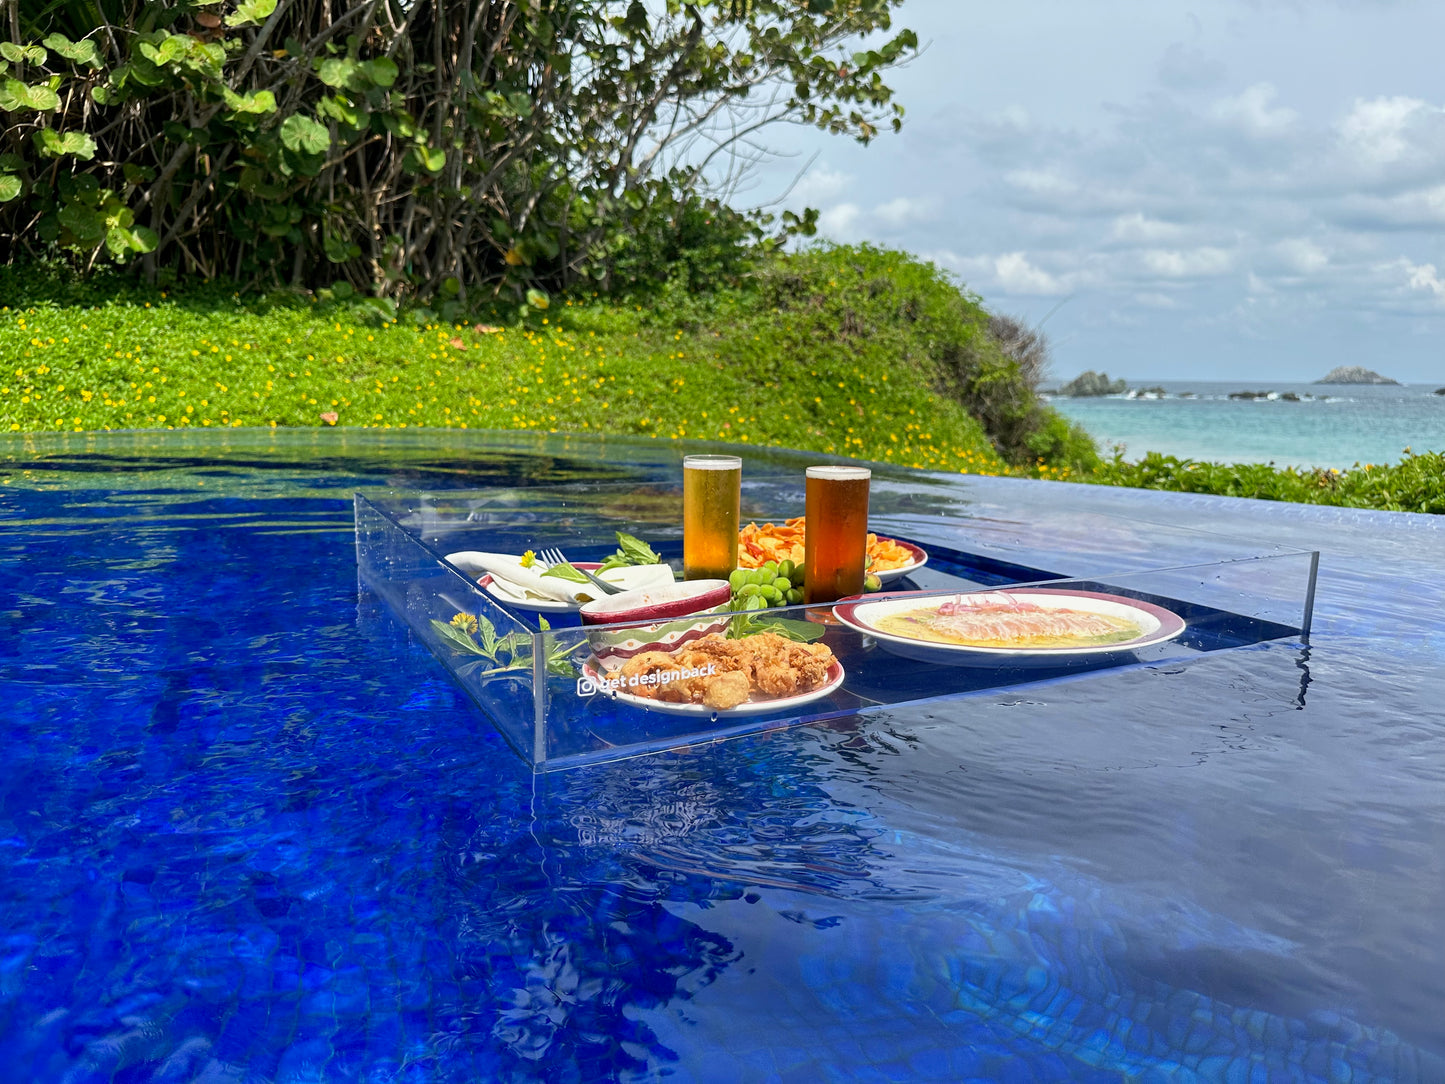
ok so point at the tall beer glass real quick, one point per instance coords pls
(835, 542)
(711, 494)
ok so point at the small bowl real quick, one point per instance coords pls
(678, 614)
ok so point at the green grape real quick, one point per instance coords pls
(796, 575)
(771, 568)
(795, 596)
(747, 590)
(785, 568)
(760, 576)
(756, 602)
(783, 584)
(737, 579)
(770, 593)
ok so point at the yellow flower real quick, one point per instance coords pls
(529, 559)
(466, 622)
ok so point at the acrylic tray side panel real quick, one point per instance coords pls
(494, 668)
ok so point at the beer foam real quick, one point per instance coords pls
(711, 462)
(839, 474)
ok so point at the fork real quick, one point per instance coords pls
(554, 557)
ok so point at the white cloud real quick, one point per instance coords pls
(902, 211)
(1015, 116)
(1302, 255)
(822, 184)
(1421, 208)
(840, 221)
(1041, 182)
(1375, 131)
(1188, 263)
(1139, 228)
(1155, 300)
(1423, 278)
(1252, 112)
(1017, 275)
(848, 221)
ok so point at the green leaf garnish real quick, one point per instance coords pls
(457, 638)
(637, 551)
(507, 654)
(631, 551)
(750, 624)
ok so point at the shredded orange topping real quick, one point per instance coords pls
(784, 542)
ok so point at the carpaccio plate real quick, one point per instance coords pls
(1156, 623)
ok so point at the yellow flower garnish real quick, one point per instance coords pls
(529, 559)
(466, 622)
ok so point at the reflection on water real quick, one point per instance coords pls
(248, 832)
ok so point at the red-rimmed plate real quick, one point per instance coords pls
(920, 558)
(591, 675)
(1155, 624)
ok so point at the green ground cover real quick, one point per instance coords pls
(779, 364)
(857, 352)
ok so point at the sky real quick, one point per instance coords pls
(1192, 191)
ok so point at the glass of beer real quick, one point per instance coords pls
(711, 495)
(835, 539)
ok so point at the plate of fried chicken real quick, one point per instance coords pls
(724, 677)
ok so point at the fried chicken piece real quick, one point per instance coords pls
(719, 655)
(643, 666)
(717, 647)
(724, 656)
(682, 690)
(784, 668)
(724, 691)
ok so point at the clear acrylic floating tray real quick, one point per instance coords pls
(1147, 593)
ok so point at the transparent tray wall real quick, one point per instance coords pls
(529, 676)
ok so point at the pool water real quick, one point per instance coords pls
(249, 831)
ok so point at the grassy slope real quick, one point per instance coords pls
(738, 370)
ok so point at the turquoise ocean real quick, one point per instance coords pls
(1335, 425)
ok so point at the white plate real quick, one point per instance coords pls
(474, 565)
(920, 558)
(1156, 624)
(504, 593)
(750, 707)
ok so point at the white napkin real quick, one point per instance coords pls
(508, 568)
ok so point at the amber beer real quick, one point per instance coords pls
(835, 540)
(711, 493)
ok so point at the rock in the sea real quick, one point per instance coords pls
(1440, 391)
(1354, 374)
(1092, 383)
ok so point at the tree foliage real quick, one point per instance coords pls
(418, 147)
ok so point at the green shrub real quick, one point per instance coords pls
(899, 314)
(686, 243)
(1415, 484)
(438, 149)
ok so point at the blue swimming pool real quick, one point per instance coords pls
(249, 830)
